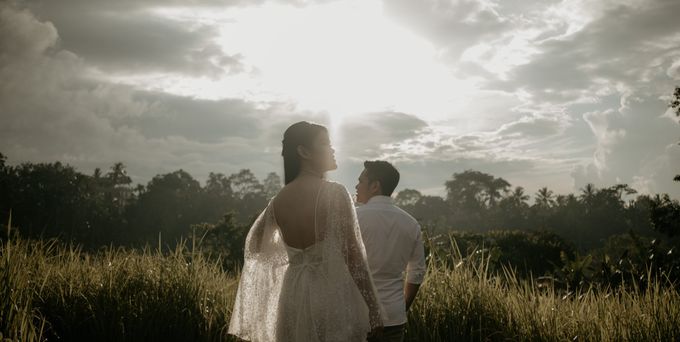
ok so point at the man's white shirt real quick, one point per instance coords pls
(394, 247)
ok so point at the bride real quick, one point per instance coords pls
(305, 275)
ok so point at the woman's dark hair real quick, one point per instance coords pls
(298, 134)
(383, 172)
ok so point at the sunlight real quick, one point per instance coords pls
(343, 58)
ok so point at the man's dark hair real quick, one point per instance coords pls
(383, 172)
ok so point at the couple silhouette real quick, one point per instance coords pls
(318, 268)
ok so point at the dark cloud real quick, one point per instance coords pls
(451, 25)
(207, 121)
(131, 6)
(125, 36)
(130, 40)
(22, 36)
(626, 45)
(366, 135)
(52, 111)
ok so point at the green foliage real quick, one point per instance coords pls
(534, 253)
(54, 200)
(471, 195)
(629, 256)
(586, 220)
(222, 242)
(665, 215)
(46, 199)
(168, 205)
(428, 210)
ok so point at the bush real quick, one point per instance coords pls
(526, 252)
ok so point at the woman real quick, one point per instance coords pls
(305, 275)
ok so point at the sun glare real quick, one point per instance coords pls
(344, 58)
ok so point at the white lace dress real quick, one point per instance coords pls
(320, 293)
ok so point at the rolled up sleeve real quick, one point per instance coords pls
(415, 270)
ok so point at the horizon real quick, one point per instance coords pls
(441, 191)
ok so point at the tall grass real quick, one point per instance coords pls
(461, 300)
(57, 292)
(19, 320)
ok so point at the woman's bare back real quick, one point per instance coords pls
(294, 211)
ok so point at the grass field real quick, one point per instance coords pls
(49, 291)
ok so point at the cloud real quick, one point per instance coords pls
(627, 45)
(365, 136)
(636, 144)
(534, 126)
(205, 121)
(674, 70)
(451, 25)
(53, 110)
(131, 39)
(605, 66)
(22, 35)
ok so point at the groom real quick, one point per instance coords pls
(393, 244)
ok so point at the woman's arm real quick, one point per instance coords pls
(355, 255)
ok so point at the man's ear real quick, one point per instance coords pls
(376, 188)
(303, 152)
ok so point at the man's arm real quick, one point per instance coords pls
(415, 270)
(410, 291)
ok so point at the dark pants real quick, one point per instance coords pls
(394, 333)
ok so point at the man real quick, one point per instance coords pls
(393, 244)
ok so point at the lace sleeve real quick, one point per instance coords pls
(355, 254)
(254, 238)
(255, 312)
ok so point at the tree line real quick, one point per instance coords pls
(55, 200)
(479, 202)
(49, 200)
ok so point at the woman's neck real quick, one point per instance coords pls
(310, 172)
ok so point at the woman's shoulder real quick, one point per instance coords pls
(336, 192)
(335, 186)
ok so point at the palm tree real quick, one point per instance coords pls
(119, 185)
(545, 198)
(118, 175)
(518, 197)
(588, 194)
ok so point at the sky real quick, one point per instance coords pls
(541, 93)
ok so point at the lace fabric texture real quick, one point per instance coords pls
(321, 293)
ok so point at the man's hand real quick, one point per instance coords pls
(375, 334)
(410, 291)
